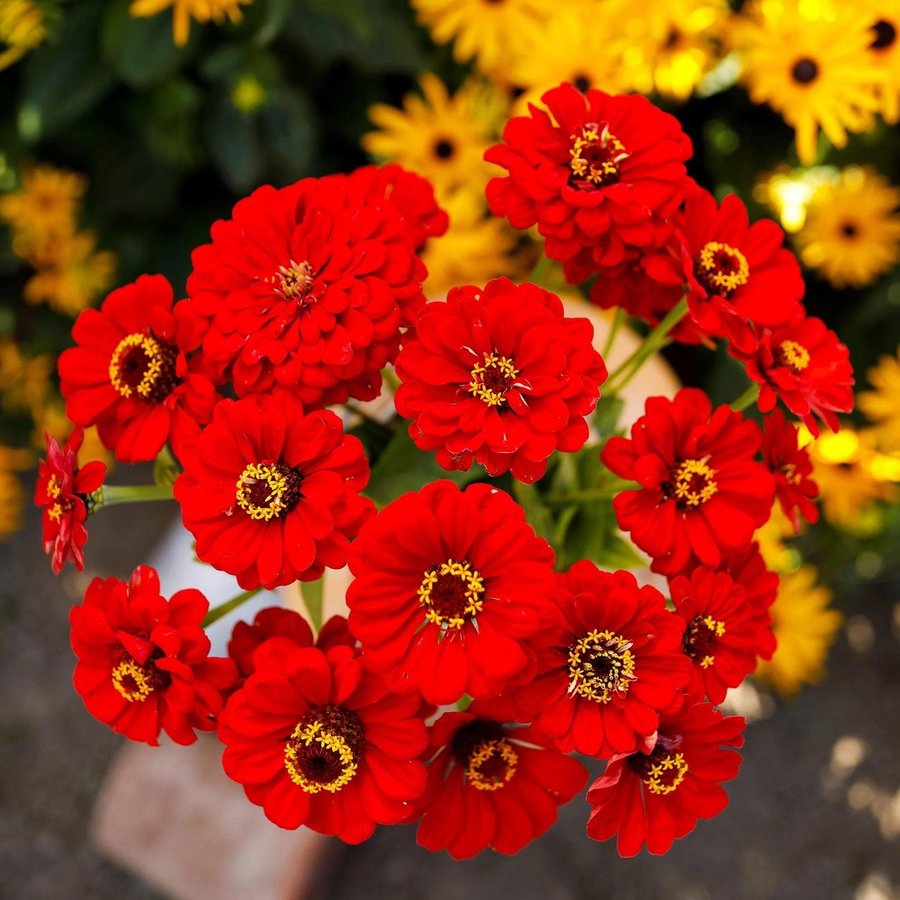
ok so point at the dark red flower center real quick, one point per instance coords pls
(692, 483)
(805, 71)
(884, 34)
(700, 639)
(662, 771)
(136, 682)
(144, 367)
(793, 355)
(294, 282)
(601, 665)
(451, 593)
(492, 378)
(595, 156)
(266, 491)
(323, 751)
(485, 754)
(721, 268)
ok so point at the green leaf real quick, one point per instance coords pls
(234, 145)
(539, 517)
(311, 592)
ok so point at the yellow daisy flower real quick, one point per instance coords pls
(436, 135)
(805, 628)
(788, 192)
(475, 248)
(22, 28)
(852, 230)
(489, 31)
(12, 493)
(779, 556)
(23, 381)
(882, 405)
(185, 10)
(884, 50)
(809, 60)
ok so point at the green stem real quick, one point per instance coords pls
(618, 319)
(748, 398)
(654, 341)
(463, 703)
(113, 494)
(311, 592)
(224, 608)
(540, 270)
(390, 378)
(586, 495)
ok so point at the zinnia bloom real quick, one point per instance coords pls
(598, 173)
(501, 376)
(792, 468)
(129, 374)
(702, 494)
(491, 784)
(748, 568)
(448, 586)
(306, 288)
(62, 490)
(613, 666)
(315, 740)
(724, 632)
(273, 495)
(143, 661)
(655, 798)
(804, 365)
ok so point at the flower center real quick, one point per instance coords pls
(492, 379)
(693, 483)
(488, 758)
(884, 34)
(323, 751)
(142, 364)
(54, 488)
(444, 149)
(805, 71)
(849, 230)
(662, 771)
(721, 268)
(294, 282)
(135, 682)
(451, 593)
(700, 639)
(791, 475)
(595, 155)
(793, 355)
(601, 664)
(266, 491)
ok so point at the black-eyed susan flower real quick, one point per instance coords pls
(12, 493)
(22, 28)
(884, 50)
(881, 405)
(183, 11)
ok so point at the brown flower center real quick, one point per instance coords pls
(492, 378)
(721, 268)
(323, 751)
(136, 682)
(793, 355)
(143, 366)
(700, 639)
(601, 665)
(485, 754)
(884, 34)
(662, 771)
(594, 157)
(451, 593)
(266, 491)
(693, 483)
(805, 71)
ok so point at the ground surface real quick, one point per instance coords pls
(808, 819)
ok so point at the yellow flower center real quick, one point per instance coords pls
(793, 355)
(601, 665)
(700, 639)
(144, 366)
(664, 772)
(492, 379)
(135, 682)
(693, 483)
(594, 157)
(294, 282)
(721, 268)
(266, 491)
(323, 751)
(485, 754)
(53, 487)
(451, 593)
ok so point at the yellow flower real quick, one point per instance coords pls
(12, 494)
(248, 93)
(475, 248)
(22, 28)
(778, 556)
(809, 60)
(788, 192)
(852, 476)
(805, 628)
(852, 230)
(185, 10)
(70, 274)
(23, 381)
(490, 31)
(882, 405)
(884, 50)
(436, 135)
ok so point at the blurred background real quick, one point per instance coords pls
(127, 127)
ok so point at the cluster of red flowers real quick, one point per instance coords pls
(300, 301)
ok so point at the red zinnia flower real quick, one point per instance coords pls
(724, 632)
(62, 489)
(315, 740)
(130, 376)
(305, 288)
(501, 376)
(702, 493)
(448, 586)
(657, 797)
(143, 661)
(804, 365)
(491, 784)
(792, 468)
(599, 172)
(748, 568)
(271, 494)
(614, 665)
